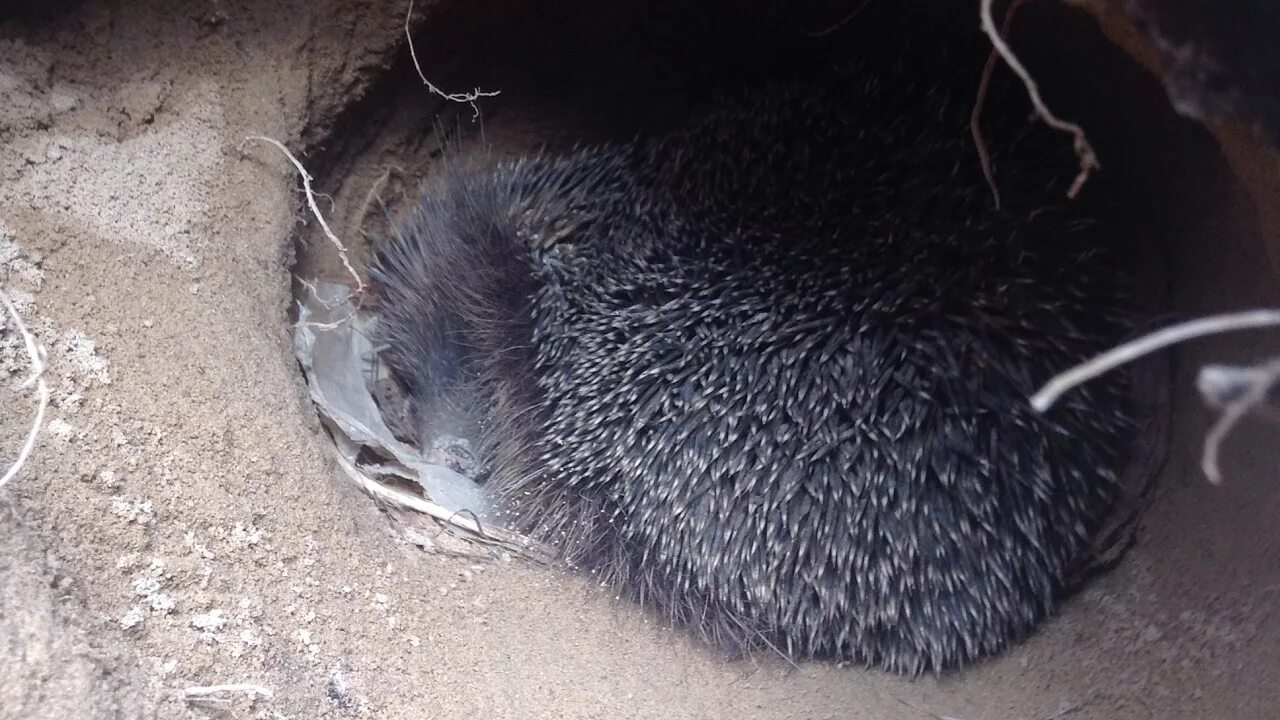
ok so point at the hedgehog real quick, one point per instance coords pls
(767, 374)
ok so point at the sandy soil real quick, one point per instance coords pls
(181, 522)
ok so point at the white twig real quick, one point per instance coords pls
(332, 203)
(310, 285)
(207, 690)
(315, 209)
(36, 355)
(975, 117)
(842, 22)
(1237, 392)
(1222, 385)
(333, 325)
(370, 197)
(1250, 319)
(468, 98)
(497, 536)
(1084, 151)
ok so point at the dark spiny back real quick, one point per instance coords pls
(769, 375)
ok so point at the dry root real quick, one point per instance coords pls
(1084, 151)
(1235, 391)
(975, 118)
(36, 355)
(315, 209)
(468, 98)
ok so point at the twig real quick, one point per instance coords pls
(315, 209)
(333, 204)
(333, 325)
(468, 98)
(496, 536)
(371, 196)
(36, 355)
(1222, 385)
(1250, 319)
(1237, 392)
(201, 691)
(310, 285)
(1084, 151)
(975, 118)
(842, 22)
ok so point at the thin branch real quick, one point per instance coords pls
(1084, 151)
(467, 98)
(1213, 325)
(1222, 385)
(371, 196)
(975, 118)
(36, 355)
(464, 520)
(315, 209)
(1237, 392)
(310, 285)
(842, 22)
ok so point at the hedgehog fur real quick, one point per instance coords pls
(768, 374)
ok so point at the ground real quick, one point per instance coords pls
(182, 522)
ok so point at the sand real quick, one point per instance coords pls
(182, 522)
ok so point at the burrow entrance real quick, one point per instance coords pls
(565, 73)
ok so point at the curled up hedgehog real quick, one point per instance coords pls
(768, 375)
